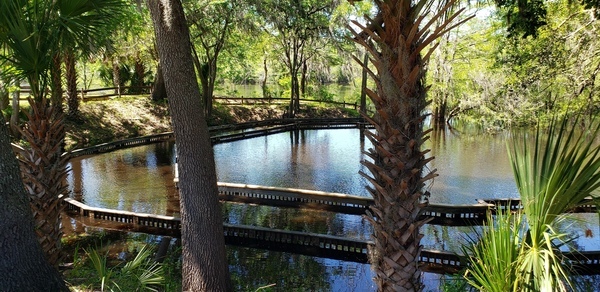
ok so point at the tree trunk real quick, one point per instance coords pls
(14, 118)
(4, 97)
(138, 81)
(265, 90)
(159, 92)
(204, 80)
(363, 86)
(57, 92)
(294, 94)
(303, 80)
(71, 75)
(398, 162)
(44, 171)
(116, 75)
(22, 263)
(205, 72)
(204, 260)
(212, 78)
(439, 113)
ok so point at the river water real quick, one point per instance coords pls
(470, 165)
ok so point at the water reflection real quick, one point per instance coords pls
(323, 222)
(290, 272)
(325, 160)
(136, 179)
(470, 165)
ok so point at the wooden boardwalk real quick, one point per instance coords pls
(251, 236)
(439, 214)
(312, 244)
(229, 133)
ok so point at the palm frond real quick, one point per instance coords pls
(81, 22)
(554, 171)
(145, 270)
(493, 255)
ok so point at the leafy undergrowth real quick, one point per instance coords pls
(134, 116)
(111, 261)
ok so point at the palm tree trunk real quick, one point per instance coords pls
(138, 80)
(116, 75)
(56, 72)
(71, 75)
(44, 172)
(22, 263)
(395, 39)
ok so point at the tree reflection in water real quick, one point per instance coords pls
(252, 269)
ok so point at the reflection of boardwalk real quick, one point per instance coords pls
(280, 240)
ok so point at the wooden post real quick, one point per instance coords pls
(363, 86)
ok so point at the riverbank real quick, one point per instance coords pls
(128, 117)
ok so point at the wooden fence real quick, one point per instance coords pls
(279, 100)
(107, 92)
(98, 93)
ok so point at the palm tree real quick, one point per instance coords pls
(395, 39)
(44, 172)
(83, 25)
(554, 172)
(33, 32)
(22, 264)
(29, 35)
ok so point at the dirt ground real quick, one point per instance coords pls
(127, 117)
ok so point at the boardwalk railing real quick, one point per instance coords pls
(321, 245)
(439, 214)
(106, 92)
(302, 123)
(313, 244)
(289, 197)
(228, 133)
(222, 134)
(111, 146)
